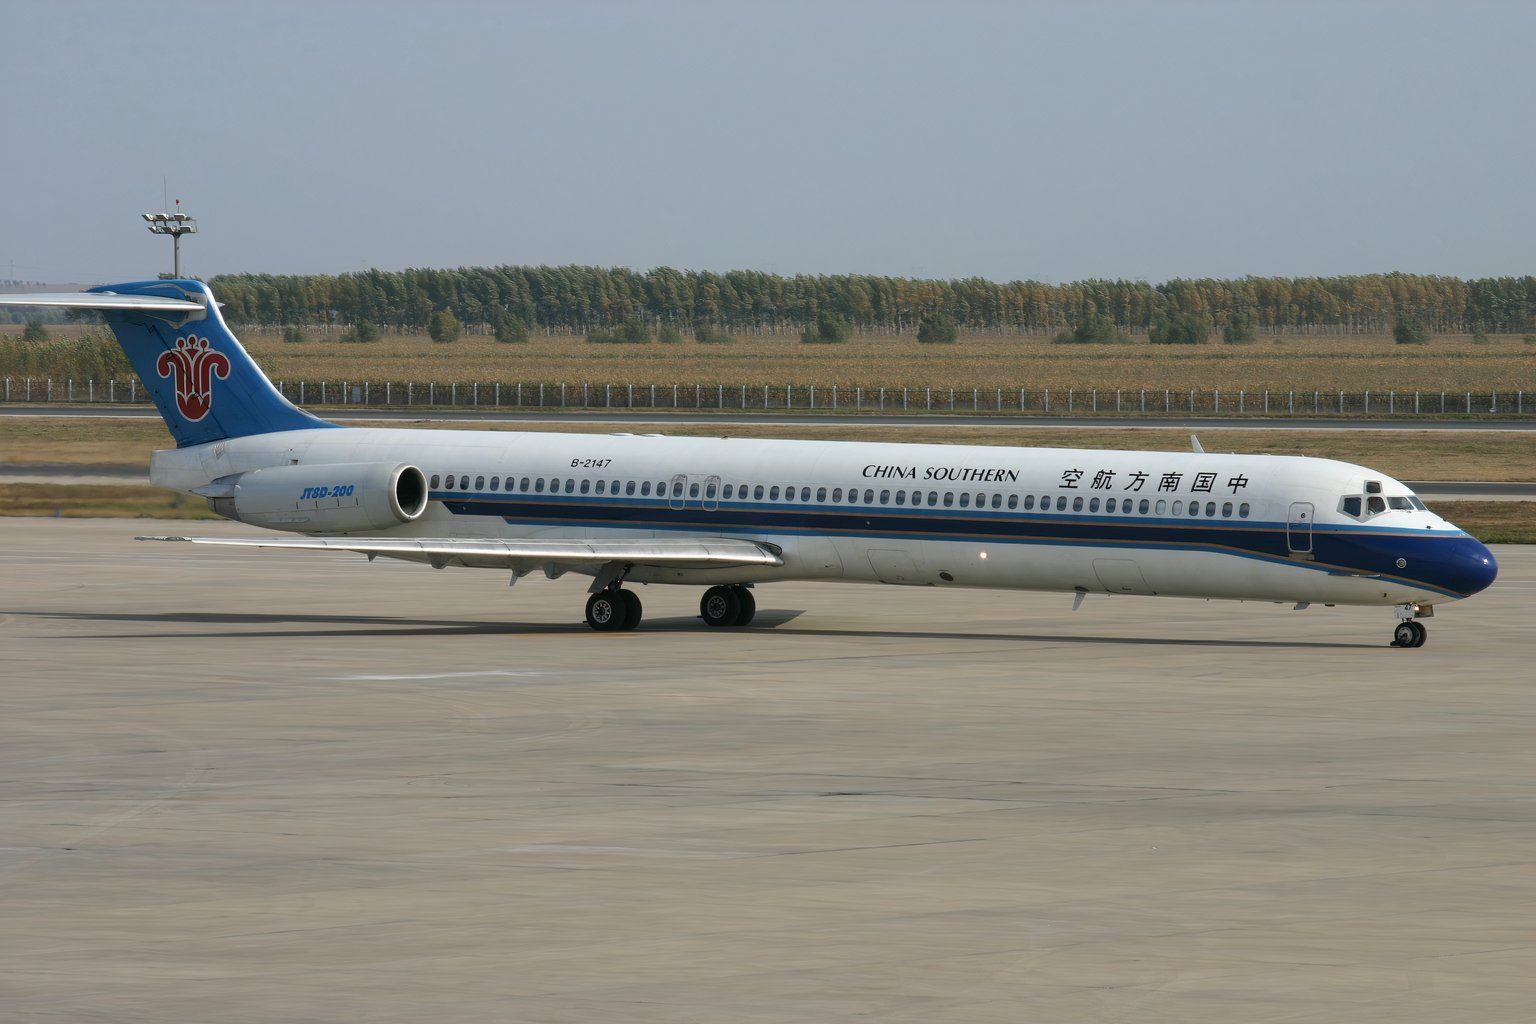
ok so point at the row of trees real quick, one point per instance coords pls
(581, 299)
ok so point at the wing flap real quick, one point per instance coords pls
(701, 552)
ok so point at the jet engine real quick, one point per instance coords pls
(343, 498)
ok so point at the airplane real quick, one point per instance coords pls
(727, 514)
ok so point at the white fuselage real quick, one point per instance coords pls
(1264, 527)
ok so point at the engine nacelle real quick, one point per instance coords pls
(341, 498)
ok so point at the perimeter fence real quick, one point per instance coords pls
(831, 398)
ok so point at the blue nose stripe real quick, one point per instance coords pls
(1453, 564)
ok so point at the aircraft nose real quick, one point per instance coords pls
(1476, 567)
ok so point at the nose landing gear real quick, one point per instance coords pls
(1409, 634)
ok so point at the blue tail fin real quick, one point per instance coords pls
(204, 383)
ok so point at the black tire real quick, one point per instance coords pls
(720, 606)
(632, 609)
(607, 611)
(748, 607)
(1422, 633)
(1405, 635)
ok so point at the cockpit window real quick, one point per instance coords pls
(1375, 504)
(1419, 505)
(1399, 503)
(1352, 507)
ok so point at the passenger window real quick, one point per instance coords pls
(495, 483)
(853, 495)
(1093, 504)
(837, 494)
(1145, 505)
(602, 487)
(965, 500)
(645, 489)
(709, 490)
(933, 499)
(901, 497)
(1210, 509)
(524, 485)
(773, 493)
(1109, 504)
(805, 494)
(729, 490)
(463, 483)
(1161, 506)
(821, 494)
(1077, 503)
(949, 499)
(586, 487)
(997, 501)
(885, 497)
(1226, 510)
(1194, 508)
(1374, 505)
(1242, 511)
(435, 479)
(869, 496)
(1061, 503)
(629, 487)
(1178, 508)
(538, 485)
(757, 492)
(693, 491)
(479, 483)
(1013, 501)
(1029, 502)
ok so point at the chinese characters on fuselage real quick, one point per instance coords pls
(1167, 483)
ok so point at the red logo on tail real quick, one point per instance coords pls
(194, 365)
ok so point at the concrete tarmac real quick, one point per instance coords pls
(270, 786)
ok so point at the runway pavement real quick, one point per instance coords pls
(261, 786)
(935, 419)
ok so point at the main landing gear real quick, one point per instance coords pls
(1409, 631)
(727, 606)
(612, 609)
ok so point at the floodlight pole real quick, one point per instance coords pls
(173, 224)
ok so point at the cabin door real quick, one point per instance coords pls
(1298, 529)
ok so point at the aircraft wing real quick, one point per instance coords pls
(554, 556)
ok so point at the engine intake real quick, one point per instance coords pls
(341, 498)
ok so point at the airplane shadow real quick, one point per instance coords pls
(290, 626)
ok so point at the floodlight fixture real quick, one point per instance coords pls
(173, 224)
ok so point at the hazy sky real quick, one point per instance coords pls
(1051, 140)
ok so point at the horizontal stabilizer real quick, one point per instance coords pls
(102, 300)
(703, 552)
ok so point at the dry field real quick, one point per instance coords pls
(1413, 455)
(1298, 363)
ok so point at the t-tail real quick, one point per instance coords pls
(200, 377)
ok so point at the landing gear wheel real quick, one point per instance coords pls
(748, 606)
(608, 611)
(720, 606)
(1409, 634)
(632, 608)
